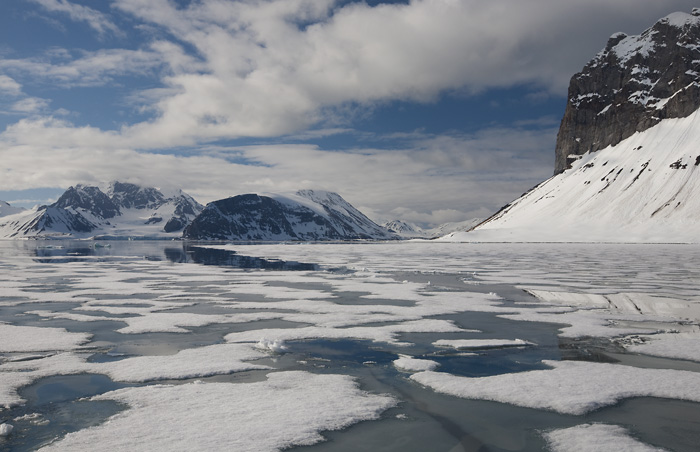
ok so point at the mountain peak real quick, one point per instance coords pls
(88, 198)
(128, 196)
(630, 86)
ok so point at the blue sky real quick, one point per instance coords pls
(428, 111)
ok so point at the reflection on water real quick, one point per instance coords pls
(183, 252)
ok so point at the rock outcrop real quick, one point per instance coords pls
(305, 215)
(630, 86)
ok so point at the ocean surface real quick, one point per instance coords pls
(99, 336)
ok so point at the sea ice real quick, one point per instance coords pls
(570, 387)
(481, 343)
(411, 364)
(595, 438)
(37, 339)
(6, 429)
(288, 409)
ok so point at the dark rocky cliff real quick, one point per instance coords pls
(634, 83)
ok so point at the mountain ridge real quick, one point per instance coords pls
(642, 185)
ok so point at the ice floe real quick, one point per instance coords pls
(481, 343)
(570, 387)
(410, 364)
(15, 338)
(595, 438)
(288, 409)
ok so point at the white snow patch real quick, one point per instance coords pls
(410, 364)
(275, 346)
(36, 339)
(289, 409)
(595, 438)
(6, 429)
(570, 387)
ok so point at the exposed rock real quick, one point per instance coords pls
(306, 215)
(630, 86)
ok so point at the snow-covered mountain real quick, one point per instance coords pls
(628, 163)
(6, 209)
(126, 210)
(411, 231)
(304, 215)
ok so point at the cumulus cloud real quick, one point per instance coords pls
(8, 86)
(80, 13)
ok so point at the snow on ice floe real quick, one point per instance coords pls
(6, 429)
(595, 438)
(410, 364)
(275, 346)
(288, 409)
(570, 387)
(481, 343)
(628, 303)
(667, 345)
(35, 339)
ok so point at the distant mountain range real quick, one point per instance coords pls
(411, 231)
(627, 157)
(130, 211)
(126, 210)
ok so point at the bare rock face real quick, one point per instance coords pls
(631, 85)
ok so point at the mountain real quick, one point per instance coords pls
(627, 161)
(126, 210)
(411, 231)
(305, 215)
(6, 209)
(632, 85)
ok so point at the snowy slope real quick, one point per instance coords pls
(6, 209)
(305, 215)
(411, 231)
(645, 189)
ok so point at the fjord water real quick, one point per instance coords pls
(60, 279)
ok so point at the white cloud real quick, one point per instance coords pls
(9, 86)
(79, 13)
(59, 69)
(30, 105)
(432, 179)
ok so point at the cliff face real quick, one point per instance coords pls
(630, 86)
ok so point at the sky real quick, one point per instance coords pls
(428, 111)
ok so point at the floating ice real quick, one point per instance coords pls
(6, 429)
(481, 343)
(276, 346)
(570, 387)
(36, 339)
(289, 409)
(411, 364)
(595, 438)
(668, 345)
